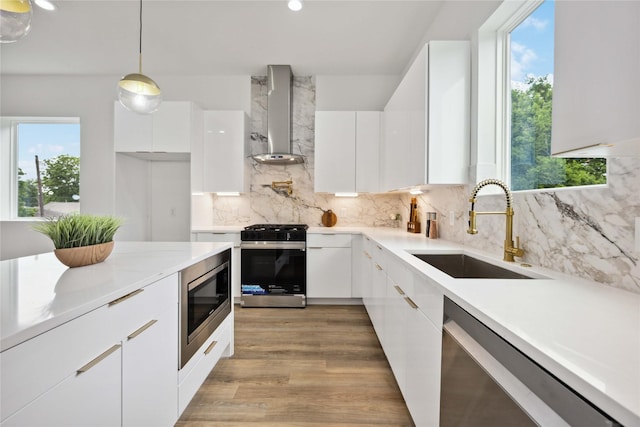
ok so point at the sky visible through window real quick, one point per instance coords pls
(46, 140)
(532, 46)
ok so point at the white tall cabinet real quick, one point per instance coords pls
(427, 120)
(153, 170)
(347, 151)
(596, 89)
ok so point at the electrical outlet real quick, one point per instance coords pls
(343, 212)
(637, 245)
(452, 217)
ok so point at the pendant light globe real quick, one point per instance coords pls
(15, 19)
(137, 92)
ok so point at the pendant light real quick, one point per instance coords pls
(136, 91)
(15, 20)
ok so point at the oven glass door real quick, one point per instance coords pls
(273, 270)
(205, 295)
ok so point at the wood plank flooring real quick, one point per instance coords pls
(318, 366)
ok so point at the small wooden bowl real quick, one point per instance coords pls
(84, 255)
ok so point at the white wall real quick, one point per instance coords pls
(354, 93)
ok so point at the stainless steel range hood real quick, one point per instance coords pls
(279, 90)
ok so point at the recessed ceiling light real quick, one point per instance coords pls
(295, 5)
(45, 4)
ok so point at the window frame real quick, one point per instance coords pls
(9, 161)
(494, 71)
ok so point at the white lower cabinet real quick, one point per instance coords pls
(149, 368)
(116, 365)
(378, 293)
(410, 334)
(422, 371)
(329, 265)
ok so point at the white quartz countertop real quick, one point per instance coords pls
(38, 293)
(585, 333)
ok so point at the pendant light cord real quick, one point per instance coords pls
(140, 45)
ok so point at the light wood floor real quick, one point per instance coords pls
(317, 366)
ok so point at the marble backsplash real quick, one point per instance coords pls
(263, 204)
(586, 232)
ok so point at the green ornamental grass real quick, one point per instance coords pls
(72, 231)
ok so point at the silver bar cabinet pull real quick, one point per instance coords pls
(126, 297)
(98, 359)
(208, 350)
(141, 329)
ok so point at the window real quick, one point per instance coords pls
(40, 167)
(529, 47)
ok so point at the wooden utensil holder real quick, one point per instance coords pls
(413, 227)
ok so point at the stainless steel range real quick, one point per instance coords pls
(273, 265)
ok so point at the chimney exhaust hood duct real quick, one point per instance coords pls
(279, 126)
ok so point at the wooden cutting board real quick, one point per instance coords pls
(329, 218)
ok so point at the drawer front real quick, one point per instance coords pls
(136, 309)
(328, 240)
(196, 371)
(33, 367)
(429, 299)
(89, 399)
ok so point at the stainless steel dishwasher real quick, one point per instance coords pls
(485, 381)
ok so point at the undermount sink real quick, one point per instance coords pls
(461, 266)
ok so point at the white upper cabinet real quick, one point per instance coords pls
(218, 164)
(368, 136)
(596, 90)
(427, 120)
(346, 151)
(172, 129)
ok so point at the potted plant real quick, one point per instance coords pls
(81, 239)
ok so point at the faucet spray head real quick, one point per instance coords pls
(472, 223)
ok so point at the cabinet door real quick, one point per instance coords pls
(335, 151)
(367, 274)
(89, 398)
(150, 372)
(422, 368)
(378, 296)
(329, 272)
(172, 127)
(368, 151)
(448, 125)
(131, 132)
(596, 85)
(224, 151)
(395, 345)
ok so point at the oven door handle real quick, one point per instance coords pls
(274, 245)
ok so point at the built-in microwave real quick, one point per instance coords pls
(205, 301)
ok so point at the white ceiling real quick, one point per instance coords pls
(213, 37)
